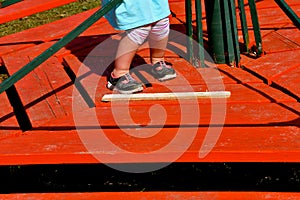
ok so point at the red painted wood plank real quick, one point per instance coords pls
(17, 60)
(244, 114)
(183, 68)
(155, 195)
(41, 34)
(271, 65)
(271, 18)
(258, 131)
(193, 82)
(91, 41)
(277, 41)
(67, 95)
(255, 93)
(252, 133)
(50, 77)
(269, 93)
(270, 4)
(8, 123)
(290, 34)
(238, 74)
(35, 89)
(178, 8)
(290, 80)
(255, 144)
(270, 14)
(189, 79)
(28, 7)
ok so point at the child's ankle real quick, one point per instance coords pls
(117, 74)
(156, 60)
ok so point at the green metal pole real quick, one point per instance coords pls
(57, 46)
(6, 3)
(215, 30)
(199, 33)
(254, 16)
(289, 12)
(228, 41)
(244, 25)
(221, 31)
(189, 30)
(235, 39)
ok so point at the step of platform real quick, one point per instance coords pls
(262, 114)
(156, 195)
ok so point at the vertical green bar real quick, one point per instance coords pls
(200, 33)
(189, 30)
(244, 25)
(254, 16)
(58, 45)
(234, 34)
(215, 30)
(229, 52)
(222, 31)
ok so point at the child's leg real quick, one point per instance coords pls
(158, 40)
(120, 80)
(127, 49)
(157, 50)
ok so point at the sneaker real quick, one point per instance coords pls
(163, 71)
(124, 84)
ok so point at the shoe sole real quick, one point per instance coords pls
(112, 87)
(167, 77)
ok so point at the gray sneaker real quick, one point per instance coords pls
(124, 84)
(163, 71)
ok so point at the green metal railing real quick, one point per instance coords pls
(256, 50)
(222, 30)
(10, 81)
(189, 30)
(289, 12)
(5, 3)
(195, 54)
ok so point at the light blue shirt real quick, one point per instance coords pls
(134, 13)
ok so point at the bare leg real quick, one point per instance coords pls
(157, 49)
(161, 70)
(125, 54)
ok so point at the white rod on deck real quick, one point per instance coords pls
(165, 96)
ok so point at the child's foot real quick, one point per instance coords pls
(124, 84)
(163, 72)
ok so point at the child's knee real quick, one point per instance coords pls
(160, 30)
(139, 35)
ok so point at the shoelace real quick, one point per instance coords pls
(128, 78)
(162, 65)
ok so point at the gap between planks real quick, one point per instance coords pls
(165, 96)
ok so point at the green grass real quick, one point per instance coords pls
(47, 16)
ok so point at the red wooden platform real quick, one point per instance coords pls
(258, 123)
(155, 195)
(28, 7)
